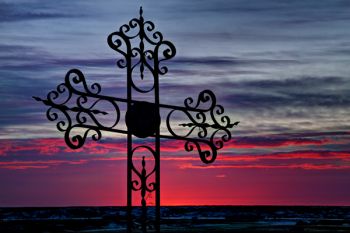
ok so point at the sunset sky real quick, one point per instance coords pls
(281, 68)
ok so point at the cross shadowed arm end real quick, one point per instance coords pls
(37, 98)
(234, 124)
(41, 100)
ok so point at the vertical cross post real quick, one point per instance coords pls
(142, 53)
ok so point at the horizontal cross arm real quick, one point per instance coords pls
(66, 108)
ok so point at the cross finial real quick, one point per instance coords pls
(141, 11)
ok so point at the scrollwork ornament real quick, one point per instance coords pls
(139, 39)
(199, 113)
(206, 156)
(75, 77)
(142, 183)
(77, 140)
(75, 90)
(62, 125)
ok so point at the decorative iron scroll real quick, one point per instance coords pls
(82, 115)
(146, 55)
(141, 183)
(220, 125)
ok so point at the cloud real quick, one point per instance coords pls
(306, 160)
(293, 84)
(304, 166)
(256, 142)
(52, 146)
(34, 58)
(249, 78)
(40, 153)
(31, 10)
(227, 61)
(296, 92)
(20, 165)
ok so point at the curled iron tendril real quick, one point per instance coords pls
(142, 48)
(141, 183)
(211, 135)
(73, 105)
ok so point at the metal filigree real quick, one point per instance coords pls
(142, 183)
(200, 132)
(74, 105)
(150, 52)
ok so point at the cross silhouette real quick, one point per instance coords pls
(73, 105)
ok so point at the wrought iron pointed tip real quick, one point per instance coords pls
(37, 98)
(234, 124)
(99, 112)
(141, 11)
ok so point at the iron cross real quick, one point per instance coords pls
(73, 105)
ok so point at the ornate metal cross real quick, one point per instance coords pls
(74, 106)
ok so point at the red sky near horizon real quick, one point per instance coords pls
(96, 174)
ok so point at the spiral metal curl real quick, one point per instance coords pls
(83, 114)
(150, 52)
(198, 117)
(141, 183)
